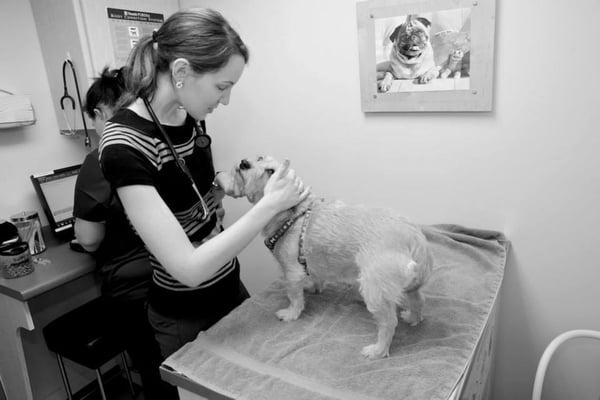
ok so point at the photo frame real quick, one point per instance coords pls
(426, 55)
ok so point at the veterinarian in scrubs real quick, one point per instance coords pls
(101, 227)
(177, 76)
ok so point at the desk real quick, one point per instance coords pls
(63, 282)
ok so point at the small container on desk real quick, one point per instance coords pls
(15, 260)
(30, 230)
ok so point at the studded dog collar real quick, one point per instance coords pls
(271, 241)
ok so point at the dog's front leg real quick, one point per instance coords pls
(431, 74)
(295, 293)
(386, 83)
(313, 285)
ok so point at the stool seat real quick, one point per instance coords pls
(86, 336)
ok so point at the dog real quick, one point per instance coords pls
(411, 56)
(318, 241)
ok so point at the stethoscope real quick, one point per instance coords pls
(66, 96)
(203, 141)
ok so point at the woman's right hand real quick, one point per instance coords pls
(284, 189)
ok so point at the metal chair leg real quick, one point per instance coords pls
(99, 378)
(128, 374)
(63, 374)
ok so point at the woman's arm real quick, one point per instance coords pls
(89, 234)
(167, 241)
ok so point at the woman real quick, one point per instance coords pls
(101, 227)
(184, 71)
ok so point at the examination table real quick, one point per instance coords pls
(250, 354)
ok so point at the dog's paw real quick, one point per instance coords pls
(314, 287)
(428, 76)
(375, 352)
(385, 85)
(288, 314)
(411, 318)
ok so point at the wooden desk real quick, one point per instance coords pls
(61, 282)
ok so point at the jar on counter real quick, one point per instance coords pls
(15, 260)
(30, 230)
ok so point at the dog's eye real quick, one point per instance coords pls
(270, 171)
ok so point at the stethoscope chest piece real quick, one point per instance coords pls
(203, 141)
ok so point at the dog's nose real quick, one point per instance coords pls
(245, 164)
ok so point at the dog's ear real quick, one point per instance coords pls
(424, 21)
(395, 33)
(270, 164)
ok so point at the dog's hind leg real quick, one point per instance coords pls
(384, 312)
(413, 302)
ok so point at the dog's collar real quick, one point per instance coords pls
(271, 241)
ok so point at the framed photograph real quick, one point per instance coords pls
(426, 55)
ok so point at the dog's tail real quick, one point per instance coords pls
(415, 279)
(417, 273)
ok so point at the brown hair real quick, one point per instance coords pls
(201, 36)
(107, 89)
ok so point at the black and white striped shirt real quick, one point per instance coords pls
(133, 153)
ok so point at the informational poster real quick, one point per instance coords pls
(127, 27)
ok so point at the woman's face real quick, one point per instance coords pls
(201, 94)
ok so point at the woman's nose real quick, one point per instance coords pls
(245, 164)
(225, 98)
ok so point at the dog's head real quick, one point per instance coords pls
(411, 37)
(249, 177)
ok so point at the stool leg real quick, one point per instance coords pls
(63, 374)
(99, 378)
(131, 389)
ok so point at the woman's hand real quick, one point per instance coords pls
(284, 189)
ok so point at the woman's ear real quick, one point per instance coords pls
(98, 114)
(180, 68)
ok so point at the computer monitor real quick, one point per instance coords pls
(56, 191)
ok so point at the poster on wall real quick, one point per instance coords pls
(427, 55)
(127, 27)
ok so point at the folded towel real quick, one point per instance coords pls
(250, 354)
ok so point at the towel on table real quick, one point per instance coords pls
(250, 354)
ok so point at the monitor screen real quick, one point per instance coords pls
(59, 195)
(56, 190)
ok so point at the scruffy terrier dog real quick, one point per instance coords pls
(318, 241)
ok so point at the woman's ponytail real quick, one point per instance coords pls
(141, 70)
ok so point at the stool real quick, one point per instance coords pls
(86, 336)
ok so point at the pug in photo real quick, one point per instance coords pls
(411, 56)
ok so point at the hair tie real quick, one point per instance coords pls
(154, 36)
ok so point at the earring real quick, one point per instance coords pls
(179, 84)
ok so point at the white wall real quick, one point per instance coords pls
(530, 168)
(38, 147)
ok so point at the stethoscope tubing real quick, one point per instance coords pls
(66, 96)
(178, 159)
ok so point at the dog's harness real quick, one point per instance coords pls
(271, 241)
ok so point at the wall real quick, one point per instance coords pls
(530, 168)
(38, 147)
